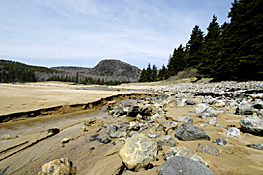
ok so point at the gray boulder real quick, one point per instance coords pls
(200, 107)
(208, 149)
(182, 165)
(252, 125)
(220, 141)
(220, 103)
(190, 102)
(188, 131)
(116, 132)
(138, 151)
(209, 112)
(167, 140)
(184, 152)
(256, 146)
(232, 132)
(58, 166)
(244, 108)
(184, 118)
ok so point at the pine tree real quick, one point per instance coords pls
(148, 73)
(142, 76)
(154, 73)
(195, 44)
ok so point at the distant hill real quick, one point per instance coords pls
(115, 68)
(105, 72)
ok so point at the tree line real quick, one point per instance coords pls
(232, 51)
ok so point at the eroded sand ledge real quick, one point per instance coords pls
(21, 101)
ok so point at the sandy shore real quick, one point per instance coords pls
(22, 154)
(33, 96)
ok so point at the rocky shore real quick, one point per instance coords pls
(187, 128)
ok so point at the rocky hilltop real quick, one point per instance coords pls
(106, 69)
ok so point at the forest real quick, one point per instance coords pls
(231, 51)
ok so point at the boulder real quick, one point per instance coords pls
(209, 112)
(190, 102)
(184, 118)
(220, 103)
(220, 141)
(182, 165)
(57, 167)
(93, 122)
(167, 140)
(184, 152)
(116, 132)
(200, 107)
(134, 126)
(232, 132)
(252, 125)
(244, 108)
(180, 102)
(208, 149)
(212, 121)
(188, 131)
(138, 151)
(256, 146)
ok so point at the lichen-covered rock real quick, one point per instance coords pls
(138, 151)
(93, 122)
(252, 125)
(208, 149)
(188, 131)
(209, 112)
(212, 121)
(184, 152)
(181, 165)
(232, 132)
(167, 140)
(58, 167)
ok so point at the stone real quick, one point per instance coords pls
(244, 108)
(116, 132)
(138, 151)
(188, 131)
(167, 140)
(253, 125)
(208, 149)
(256, 146)
(7, 137)
(184, 118)
(220, 103)
(159, 128)
(209, 112)
(232, 132)
(133, 111)
(58, 166)
(260, 113)
(212, 121)
(203, 125)
(181, 165)
(180, 102)
(258, 104)
(65, 140)
(184, 152)
(152, 135)
(106, 139)
(134, 126)
(220, 141)
(93, 122)
(84, 129)
(190, 102)
(200, 107)
(157, 116)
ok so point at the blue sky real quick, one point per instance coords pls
(83, 32)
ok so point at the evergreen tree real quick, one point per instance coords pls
(195, 44)
(148, 73)
(210, 49)
(154, 73)
(142, 76)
